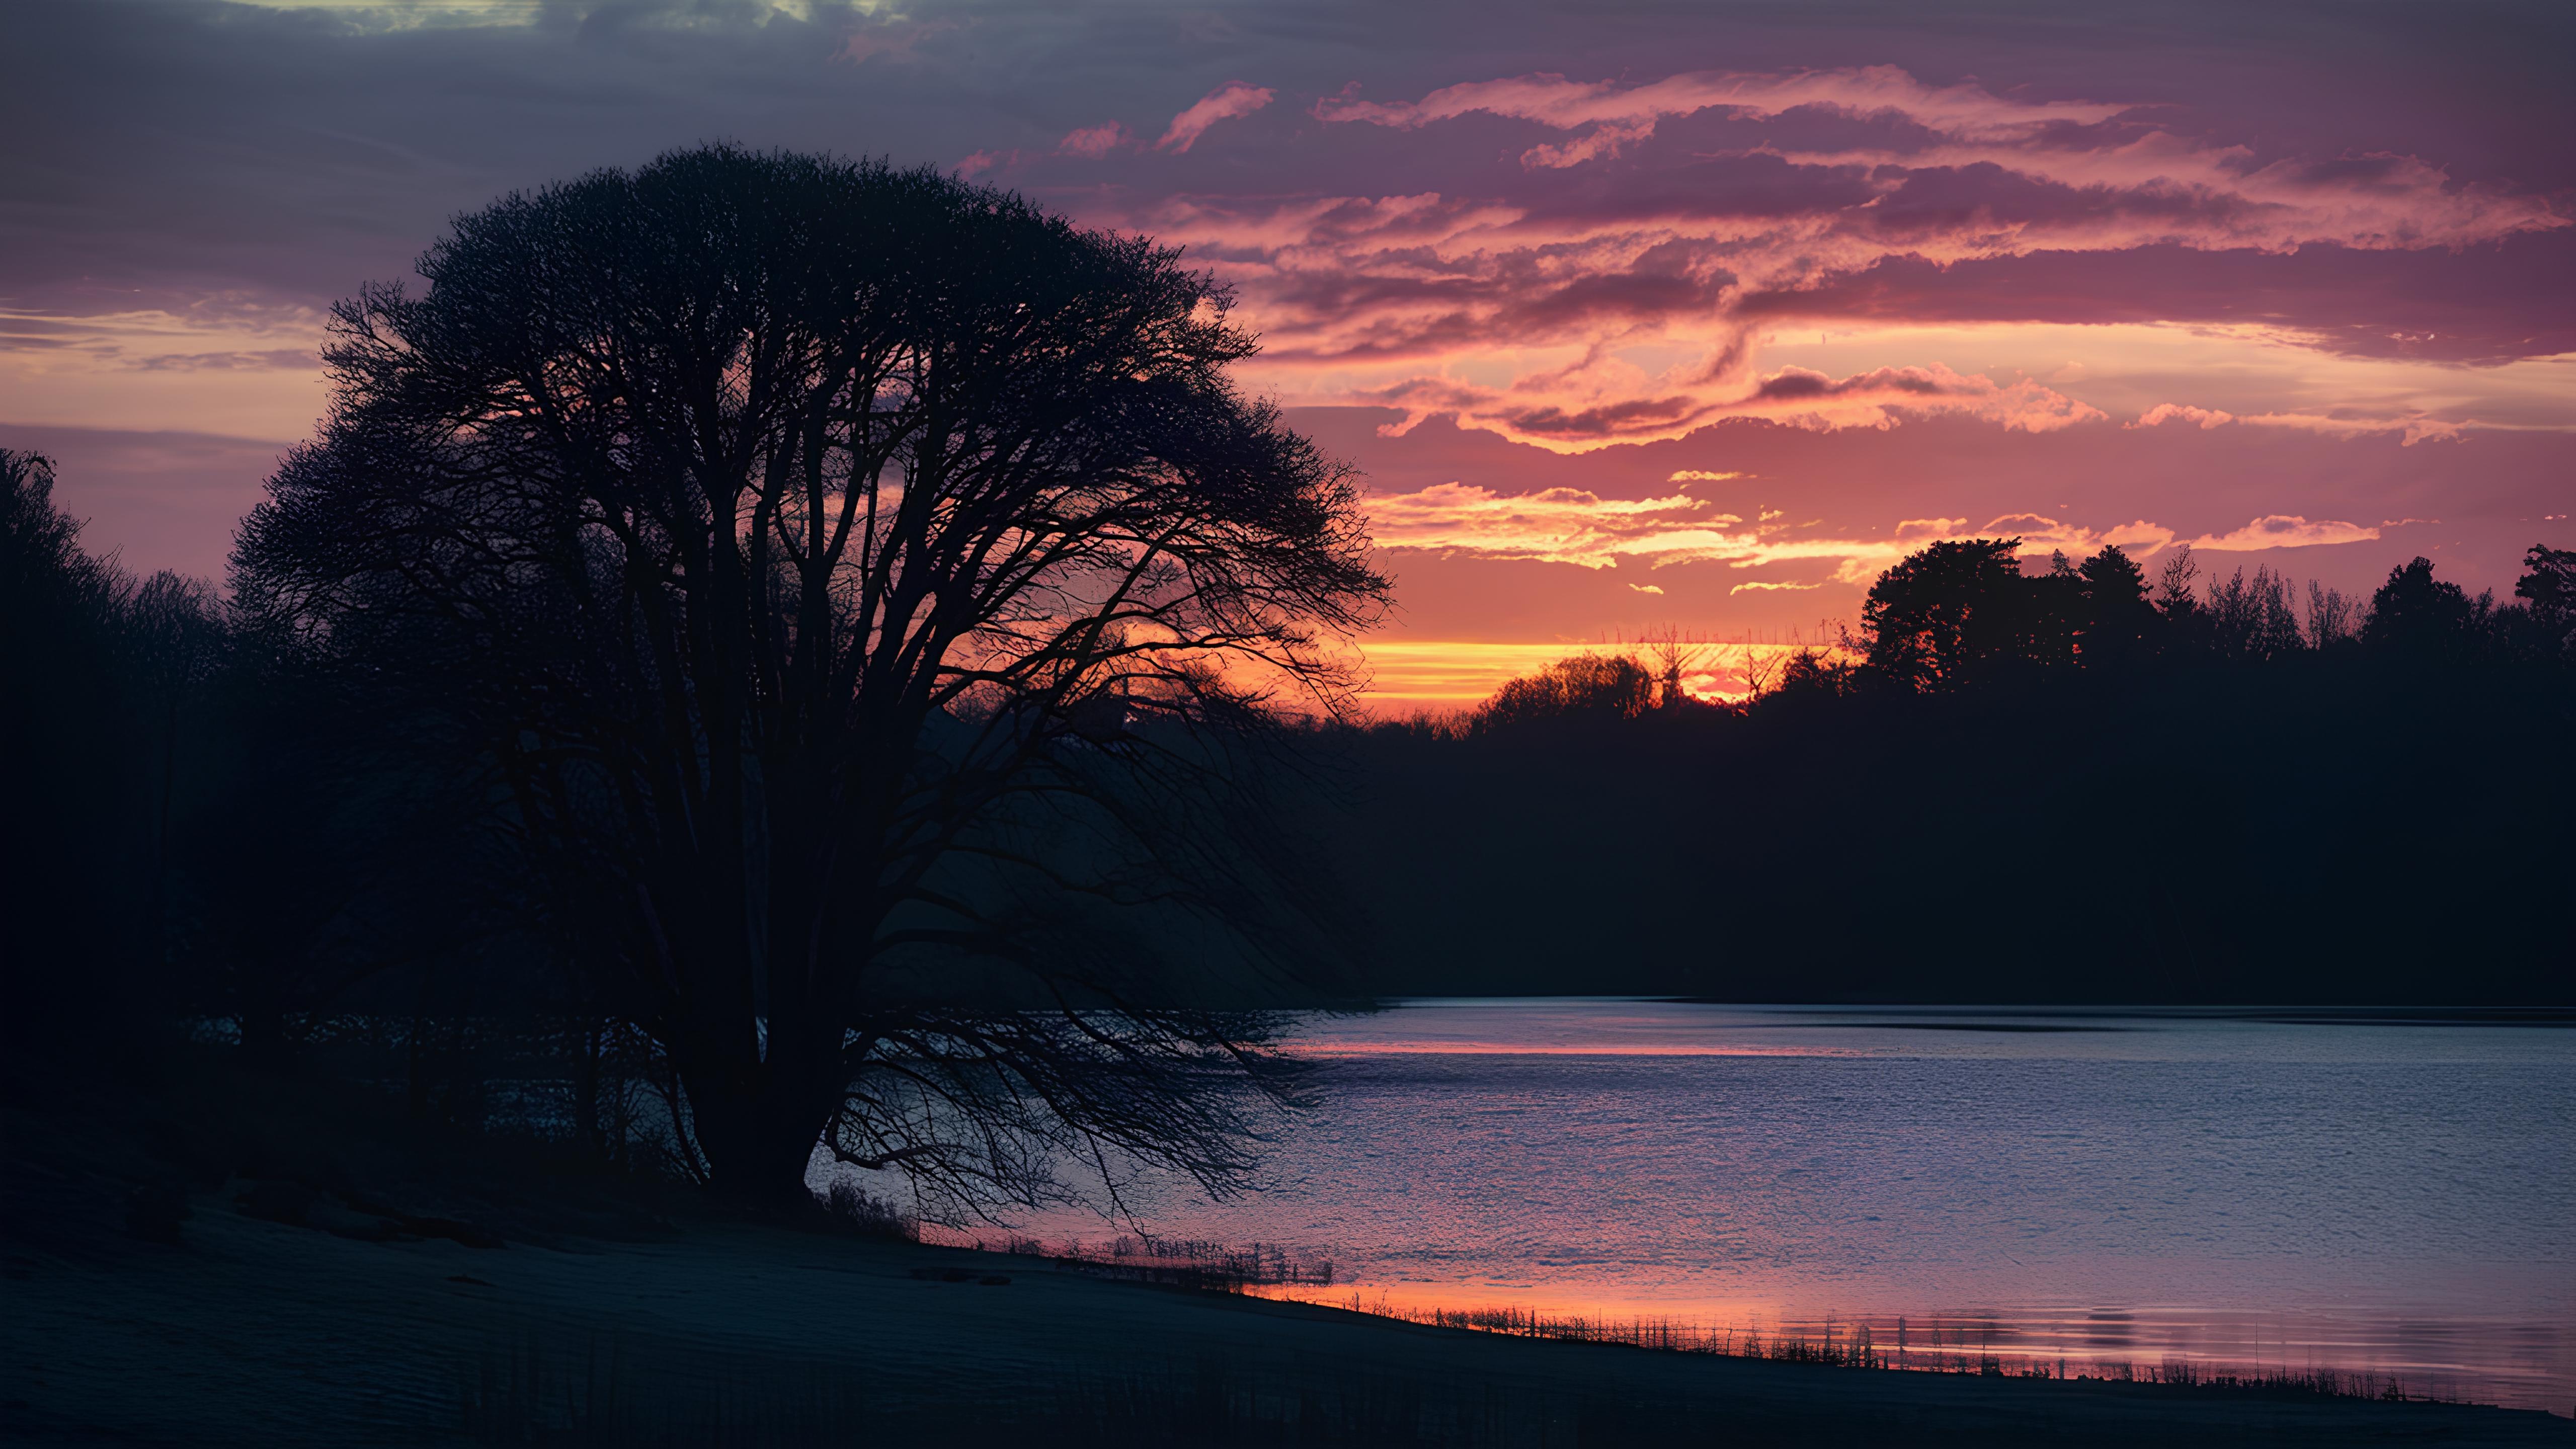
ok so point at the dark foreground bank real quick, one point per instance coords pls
(667, 1331)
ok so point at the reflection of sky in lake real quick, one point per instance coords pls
(2359, 1196)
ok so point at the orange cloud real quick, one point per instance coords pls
(1572, 526)
(1558, 525)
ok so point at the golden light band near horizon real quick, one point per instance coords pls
(1434, 674)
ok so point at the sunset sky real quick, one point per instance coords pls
(1635, 316)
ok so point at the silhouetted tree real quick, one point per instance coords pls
(59, 711)
(2180, 619)
(2252, 618)
(1580, 686)
(2548, 582)
(2548, 587)
(174, 640)
(847, 572)
(1943, 614)
(2057, 610)
(98, 674)
(2418, 615)
(2332, 618)
(1673, 657)
(2119, 619)
(1810, 674)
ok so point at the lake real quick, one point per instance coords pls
(2304, 1191)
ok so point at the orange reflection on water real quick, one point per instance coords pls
(2345, 1352)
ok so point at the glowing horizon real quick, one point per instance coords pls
(1651, 322)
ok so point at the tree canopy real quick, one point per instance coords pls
(1950, 611)
(822, 557)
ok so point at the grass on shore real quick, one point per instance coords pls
(1858, 1346)
(1935, 1347)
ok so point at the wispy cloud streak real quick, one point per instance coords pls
(1573, 526)
(1610, 295)
(1225, 103)
(2409, 430)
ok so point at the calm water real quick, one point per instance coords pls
(2390, 1198)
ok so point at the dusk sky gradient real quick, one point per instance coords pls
(1634, 316)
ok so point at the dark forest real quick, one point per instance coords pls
(2079, 786)
(2074, 786)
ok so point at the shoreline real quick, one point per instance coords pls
(1983, 1345)
(258, 1332)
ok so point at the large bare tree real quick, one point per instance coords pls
(848, 572)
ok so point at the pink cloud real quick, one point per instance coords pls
(297, 359)
(1556, 316)
(2217, 195)
(1617, 264)
(1093, 142)
(2023, 405)
(2163, 413)
(1225, 103)
(2411, 429)
(2041, 535)
(1599, 403)
(2497, 303)
(2279, 530)
(1554, 101)
(1601, 142)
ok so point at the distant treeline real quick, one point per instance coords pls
(2075, 785)
(210, 838)
(2078, 785)
(201, 829)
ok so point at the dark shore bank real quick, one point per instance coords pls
(658, 1329)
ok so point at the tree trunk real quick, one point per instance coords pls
(587, 1045)
(758, 1133)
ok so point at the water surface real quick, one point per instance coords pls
(2377, 1196)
